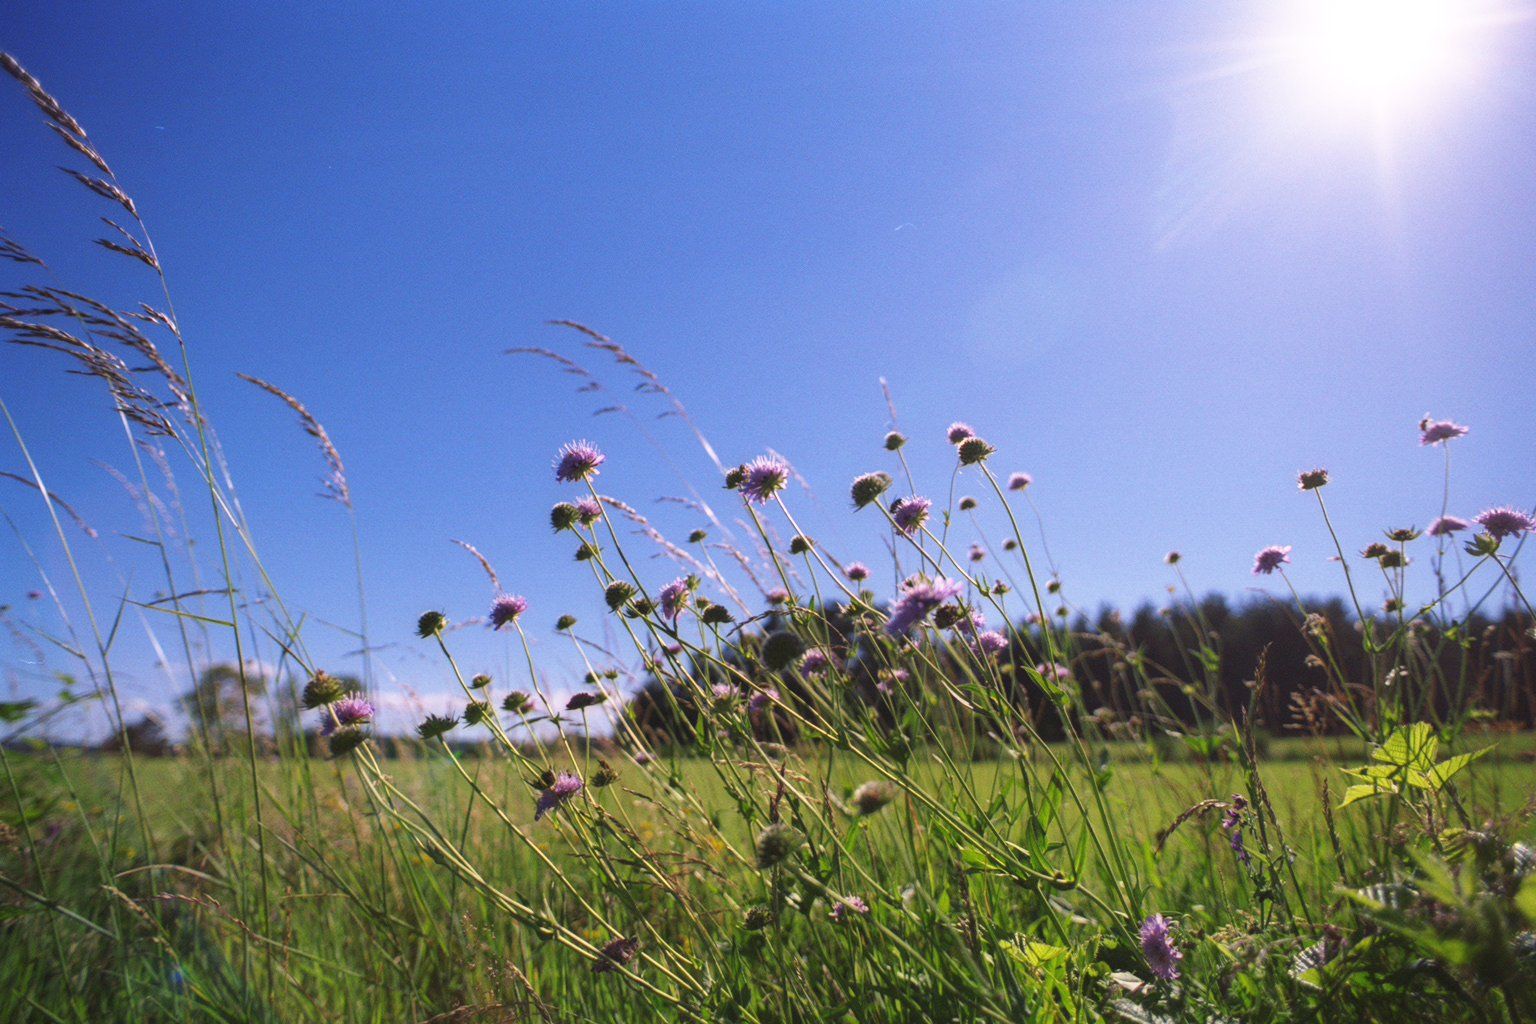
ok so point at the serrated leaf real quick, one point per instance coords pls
(1412, 746)
(1365, 791)
(1435, 778)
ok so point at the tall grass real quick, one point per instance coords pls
(831, 801)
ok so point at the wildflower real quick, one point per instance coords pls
(350, 711)
(564, 623)
(697, 536)
(967, 503)
(674, 596)
(346, 739)
(578, 461)
(775, 843)
(870, 796)
(605, 775)
(910, 513)
(323, 689)
(1505, 522)
(858, 572)
(919, 600)
(1439, 431)
(1054, 671)
(1270, 559)
(800, 544)
(615, 955)
(1403, 535)
(1010, 544)
(1158, 948)
(990, 642)
(1374, 550)
(894, 440)
(959, 432)
(977, 552)
(723, 693)
(430, 624)
(1313, 479)
(1172, 558)
(848, 905)
(517, 702)
(815, 662)
(582, 700)
(560, 789)
(588, 511)
(973, 450)
(1232, 824)
(1391, 559)
(1446, 525)
(434, 726)
(761, 699)
(757, 918)
(479, 681)
(563, 516)
(476, 711)
(507, 608)
(644, 757)
(1019, 481)
(765, 477)
(617, 594)
(868, 487)
(586, 552)
(717, 615)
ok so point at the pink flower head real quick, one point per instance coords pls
(858, 572)
(1019, 481)
(920, 599)
(1505, 522)
(674, 596)
(910, 513)
(765, 477)
(761, 699)
(1270, 559)
(977, 553)
(565, 786)
(347, 711)
(848, 905)
(1158, 948)
(1054, 671)
(959, 432)
(1446, 525)
(578, 461)
(588, 511)
(506, 608)
(816, 661)
(1439, 431)
(990, 643)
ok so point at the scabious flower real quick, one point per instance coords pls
(778, 595)
(323, 689)
(990, 642)
(615, 955)
(1158, 948)
(1019, 481)
(894, 440)
(868, 487)
(959, 432)
(764, 477)
(858, 572)
(1312, 479)
(1446, 525)
(973, 450)
(506, 608)
(674, 596)
(564, 786)
(920, 599)
(582, 699)
(760, 699)
(1054, 671)
(1172, 558)
(348, 711)
(910, 513)
(1439, 431)
(588, 511)
(1505, 522)
(723, 693)
(815, 662)
(578, 461)
(977, 552)
(1270, 559)
(848, 905)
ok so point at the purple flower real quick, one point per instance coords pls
(848, 905)
(347, 711)
(506, 608)
(1232, 824)
(910, 513)
(1447, 525)
(584, 699)
(674, 596)
(1157, 946)
(722, 692)
(578, 461)
(1019, 481)
(815, 662)
(588, 510)
(977, 552)
(858, 572)
(761, 699)
(990, 642)
(778, 595)
(1439, 431)
(765, 477)
(615, 955)
(1505, 522)
(920, 599)
(1054, 671)
(565, 786)
(1270, 559)
(959, 432)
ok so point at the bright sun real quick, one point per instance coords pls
(1383, 52)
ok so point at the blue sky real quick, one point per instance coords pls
(1159, 286)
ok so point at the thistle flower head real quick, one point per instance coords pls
(476, 712)
(518, 702)
(1271, 558)
(506, 608)
(717, 615)
(1432, 431)
(561, 789)
(1505, 522)
(617, 594)
(346, 739)
(959, 432)
(858, 572)
(918, 601)
(674, 596)
(1312, 479)
(1447, 525)
(800, 544)
(868, 487)
(778, 595)
(973, 451)
(723, 693)
(1054, 671)
(1157, 947)
(910, 513)
(434, 726)
(1375, 549)
(765, 477)
(323, 689)
(1019, 481)
(967, 503)
(564, 623)
(578, 461)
